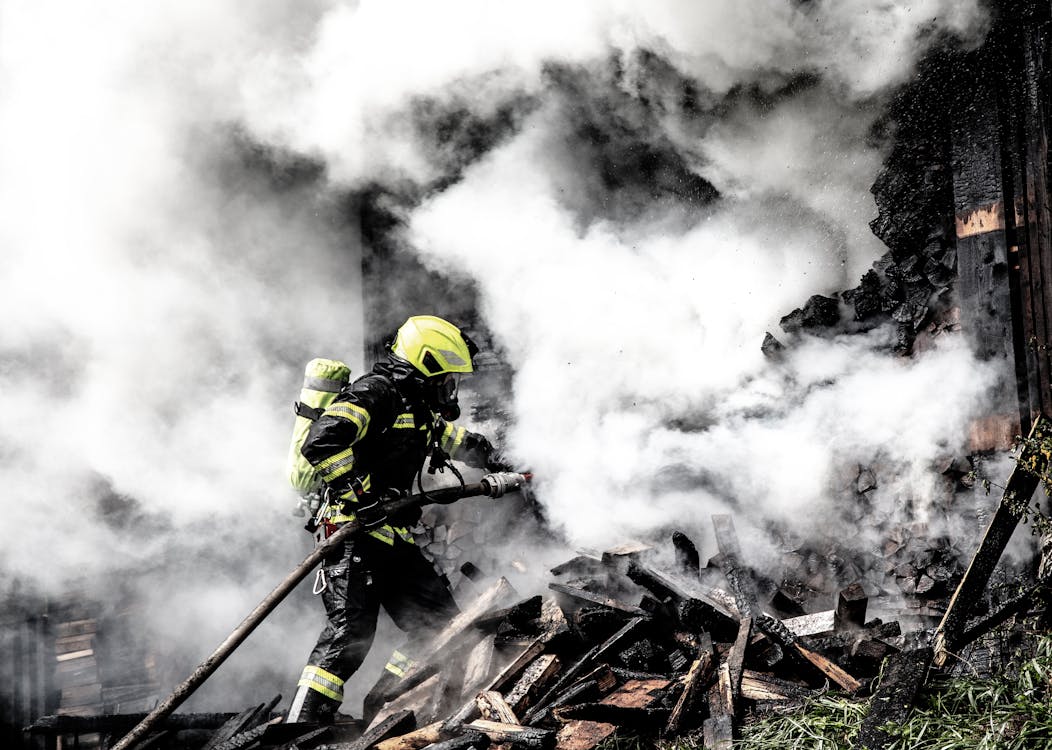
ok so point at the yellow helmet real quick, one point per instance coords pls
(434, 346)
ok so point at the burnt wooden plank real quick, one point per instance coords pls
(828, 667)
(760, 686)
(583, 735)
(514, 734)
(736, 657)
(903, 677)
(414, 740)
(493, 707)
(1018, 491)
(816, 623)
(421, 701)
(694, 611)
(471, 739)
(623, 552)
(742, 587)
(582, 565)
(235, 725)
(478, 668)
(534, 679)
(394, 725)
(692, 685)
(980, 626)
(469, 709)
(58, 724)
(718, 732)
(586, 661)
(851, 604)
(587, 596)
(527, 609)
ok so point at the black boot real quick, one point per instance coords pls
(311, 707)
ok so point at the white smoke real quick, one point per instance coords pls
(162, 282)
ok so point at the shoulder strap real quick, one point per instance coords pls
(303, 410)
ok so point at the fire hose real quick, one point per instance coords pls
(492, 485)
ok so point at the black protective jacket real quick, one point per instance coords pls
(379, 431)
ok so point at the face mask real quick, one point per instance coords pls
(445, 396)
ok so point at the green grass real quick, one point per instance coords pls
(1007, 712)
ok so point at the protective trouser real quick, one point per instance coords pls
(365, 575)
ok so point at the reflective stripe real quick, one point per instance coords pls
(403, 532)
(399, 664)
(323, 384)
(352, 413)
(385, 534)
(452, 437)
(324, 682)
(405, 421)
(336, 466)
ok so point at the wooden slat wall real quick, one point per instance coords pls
(999, 144)
(1030, 221)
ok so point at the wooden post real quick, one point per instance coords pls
(1020, 488)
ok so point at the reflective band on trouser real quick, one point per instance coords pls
(399, 664)
(352, 413)
(336, 466)
(324, 682)
(405, 421)
(452, 437)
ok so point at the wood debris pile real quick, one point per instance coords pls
(616, 645)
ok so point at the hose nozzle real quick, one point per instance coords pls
(500, 483)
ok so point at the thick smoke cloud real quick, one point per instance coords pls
(175, 246)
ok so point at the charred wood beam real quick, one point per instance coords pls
(493, 707)
(851, 606)
(246, 720)
(1018, 491)
(534, 679)
(605, 601)
(62, 724)
(394, 725)
(980, 626)
(740, 581)
(514, 734)
(416, 739)
(903, 677)
(694, 682)
(522, 612)
(471, 739)
(760, 686)
(307, 739)
(694, 612)
(687, 556)
(582, 664)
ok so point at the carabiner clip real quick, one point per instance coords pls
(320, 582)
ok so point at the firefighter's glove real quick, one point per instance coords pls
(370, 511)
(476, 451)
(407, 516)
(404, 517)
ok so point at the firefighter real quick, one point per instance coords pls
(368, 446)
